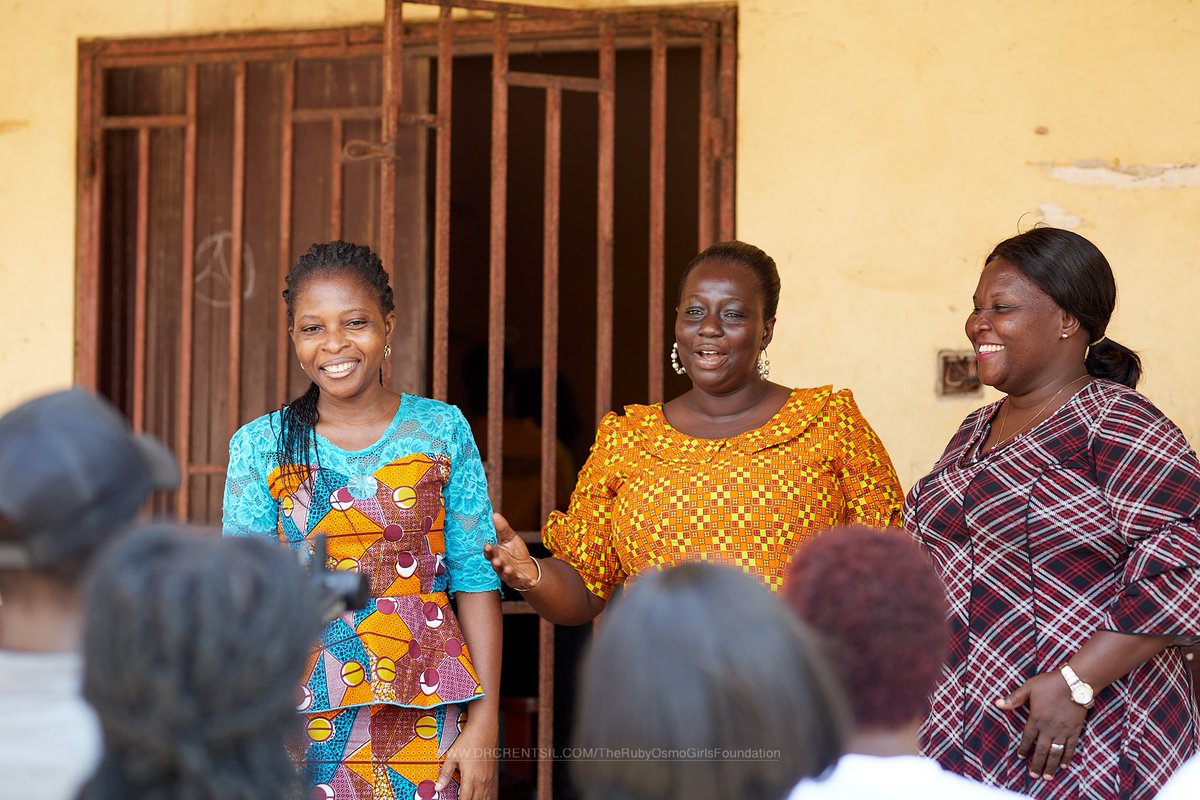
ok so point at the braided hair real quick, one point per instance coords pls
(299, 417)
(193, 645)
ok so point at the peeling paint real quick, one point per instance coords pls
(8, 125)
(1058, 217)
(1094, 172)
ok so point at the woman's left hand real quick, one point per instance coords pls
(1055, 723)
(473, 754)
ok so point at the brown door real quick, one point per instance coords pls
(534, 178)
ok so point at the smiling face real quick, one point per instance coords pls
(1017, 331)
(339, 331)
(719, 326)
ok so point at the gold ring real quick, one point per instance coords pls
(1057, 747)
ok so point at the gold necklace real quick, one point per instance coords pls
(1031, 420)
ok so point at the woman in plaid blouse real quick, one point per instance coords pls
(1063, 522)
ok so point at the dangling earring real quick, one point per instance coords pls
(764, 364)
(675, 365)
(387, 350)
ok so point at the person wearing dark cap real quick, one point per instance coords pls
(880, 610)
(72, 477)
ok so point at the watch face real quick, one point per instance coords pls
(1081, 693)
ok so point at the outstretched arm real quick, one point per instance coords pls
(559, 594)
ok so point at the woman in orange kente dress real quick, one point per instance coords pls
(737, 470)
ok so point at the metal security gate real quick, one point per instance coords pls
(506, 26)
(208, 164)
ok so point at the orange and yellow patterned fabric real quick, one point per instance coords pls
(650, 497)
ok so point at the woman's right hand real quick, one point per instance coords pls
(510, 557)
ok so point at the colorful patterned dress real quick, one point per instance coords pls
(1086, 522)
(650, 496)
(385, 691)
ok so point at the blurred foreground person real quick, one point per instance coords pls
(881, 610)
(701, 685)
(72, 477)
(193, 648)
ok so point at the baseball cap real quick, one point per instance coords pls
(72, 475)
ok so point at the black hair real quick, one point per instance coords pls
(713, 688)
(299, 417)
(193, 646)
(1076, 275)
(745, 255)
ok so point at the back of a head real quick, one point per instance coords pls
(881, 611)
(700, 684)
(72, 477)
(193, 647)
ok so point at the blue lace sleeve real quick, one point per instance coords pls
(468, 514)
(248, 508)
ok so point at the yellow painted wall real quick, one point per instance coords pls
(883, 148)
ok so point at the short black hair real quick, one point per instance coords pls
(745, 255)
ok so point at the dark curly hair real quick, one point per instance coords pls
(881, 610)
(1077, 277)
(193, 645)
(299, 417)
(745, 255)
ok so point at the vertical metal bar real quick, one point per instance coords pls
(187, 285)
(658, 179)
(237, 239)
(90, 170)
(498, 262)
(550, 221)
(550, 236)
(141, 276)
(605, 162)
(545, 725)
(708, 68)
(283, 347)
(728, 119)
(337, 136)
(441, 224)
(393, 89)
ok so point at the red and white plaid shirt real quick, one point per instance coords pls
(1085, 522)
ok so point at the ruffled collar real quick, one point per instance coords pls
(803, 408)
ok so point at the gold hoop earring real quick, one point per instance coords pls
(675, 364)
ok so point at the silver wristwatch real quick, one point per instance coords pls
(1081, 692)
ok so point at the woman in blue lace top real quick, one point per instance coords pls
(395, 484)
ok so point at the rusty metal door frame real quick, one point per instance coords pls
(481, 26)
(96, 56)
(461, 28)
